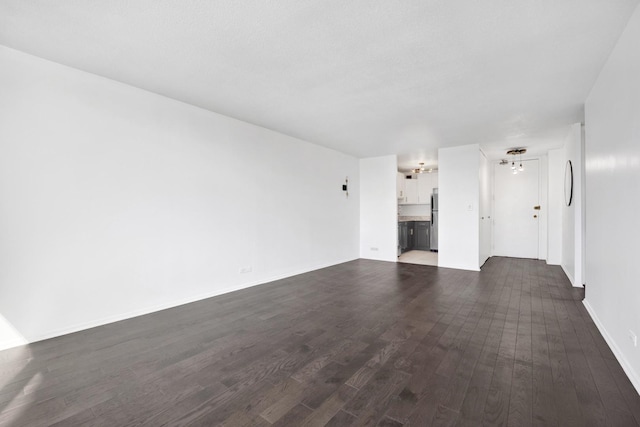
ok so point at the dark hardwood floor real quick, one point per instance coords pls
(361, 343)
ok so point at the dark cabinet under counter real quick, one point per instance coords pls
(413, 235)
(405, 235)
(421, 236)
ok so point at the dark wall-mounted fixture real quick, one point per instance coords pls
(345, 186)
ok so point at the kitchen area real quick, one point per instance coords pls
(417, 194)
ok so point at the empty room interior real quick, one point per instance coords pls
(367, 213)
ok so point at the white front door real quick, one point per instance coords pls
(515, 229)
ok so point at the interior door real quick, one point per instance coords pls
(486, 189)
(516, 219)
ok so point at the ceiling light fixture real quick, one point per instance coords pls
(422, 169)
(419, 169)
(516, 152)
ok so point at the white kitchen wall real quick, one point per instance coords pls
(378, 208)
(612, 160)
(459, 198)
(414, 210)
(115, 202)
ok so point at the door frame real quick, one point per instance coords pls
(543, 213)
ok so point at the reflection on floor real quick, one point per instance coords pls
(419, 257)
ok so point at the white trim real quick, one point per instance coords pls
(459, 267)
(570, 276)
(539, 159)
(626, 366)
(158, 307)
(14, 342)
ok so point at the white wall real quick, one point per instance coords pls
(459, 198)
(115, 201)
(486, 193)
(543, 213)
(566, 223)
(414, 210)
(556, 164)
(612, 113)
(378, 208)
(572, 215)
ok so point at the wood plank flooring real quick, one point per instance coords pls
(362, 343)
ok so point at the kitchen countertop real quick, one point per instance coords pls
(413, 218)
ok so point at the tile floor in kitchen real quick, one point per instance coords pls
(419, 257)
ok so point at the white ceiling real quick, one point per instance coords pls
(364, 77)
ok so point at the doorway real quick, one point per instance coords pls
(419, 257)
(417, 193)
(516, 210)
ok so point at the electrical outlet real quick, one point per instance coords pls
(247, 269)
(633, 338)
(374, 249)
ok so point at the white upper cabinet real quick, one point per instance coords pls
(428, 181)
(416, 191)
(424, 188)
(400, 187)
(411, 191)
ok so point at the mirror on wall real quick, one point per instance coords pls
(568, 183)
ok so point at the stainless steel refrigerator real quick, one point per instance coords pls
(434, 221)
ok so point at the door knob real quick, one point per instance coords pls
(537, 207)
(535, 216)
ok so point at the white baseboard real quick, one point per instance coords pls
(570, 277)
(379, 259)
(158, 307)
(628, 369)
(458, 267)
(14, 342)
